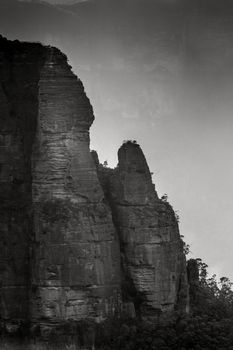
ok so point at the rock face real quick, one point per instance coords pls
(60, 252)
(154, 265)
(74, 242)
(76, 271)
(20, 65)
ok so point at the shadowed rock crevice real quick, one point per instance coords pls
(20, 65)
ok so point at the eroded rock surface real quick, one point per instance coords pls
(20, 64)
(59, 255)
(152, 251)
(74, 242)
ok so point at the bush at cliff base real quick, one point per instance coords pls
(208, 326)
(182, 332)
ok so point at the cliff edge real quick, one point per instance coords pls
(77, 240)
(60, 256)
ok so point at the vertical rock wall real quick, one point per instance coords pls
(76, 262)
(152, 250)
(69, 246)
(19, 74)
(59, 255)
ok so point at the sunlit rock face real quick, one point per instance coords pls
(76, 268)
(154, 266)
(77, 264)
(59, 249)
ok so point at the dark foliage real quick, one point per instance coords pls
(211, 298)
(208, 326)
(180, 332)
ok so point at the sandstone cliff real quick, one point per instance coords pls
(60, 254)
(76, 241)
(154, 266)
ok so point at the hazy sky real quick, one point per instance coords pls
(159, 72)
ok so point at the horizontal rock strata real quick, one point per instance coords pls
(60, 254)
(76, 238)
(77, 265)
(152, 250)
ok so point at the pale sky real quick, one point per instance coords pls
(161, 73)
